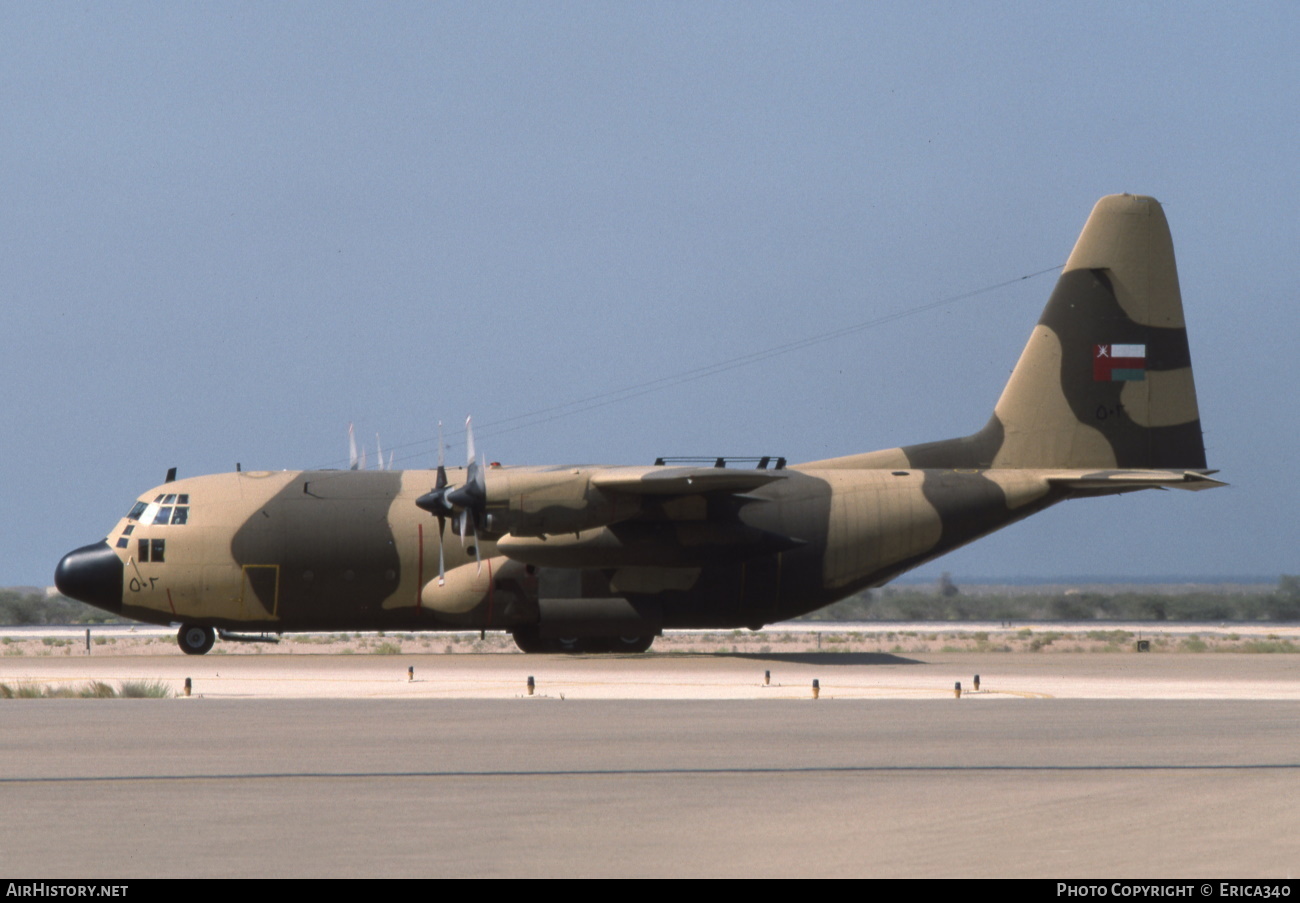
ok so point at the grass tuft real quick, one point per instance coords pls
(145, 689)
(98, 689)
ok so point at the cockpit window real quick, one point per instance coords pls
(162, 512)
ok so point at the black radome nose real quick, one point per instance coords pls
(92, 574)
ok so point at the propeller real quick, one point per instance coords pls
(357, 459)
(465, 503)
(379, 449)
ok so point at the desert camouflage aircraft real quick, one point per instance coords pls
(605, 558)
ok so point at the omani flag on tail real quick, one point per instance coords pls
(1119, 363)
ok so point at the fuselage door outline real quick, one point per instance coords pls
(260, 581)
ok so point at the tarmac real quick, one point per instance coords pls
(839, 675)
(1061, 765)
(923, 660)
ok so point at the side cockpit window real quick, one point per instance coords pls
(150, 550)
(136, 511)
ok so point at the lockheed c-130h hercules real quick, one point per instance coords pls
(1101, 402)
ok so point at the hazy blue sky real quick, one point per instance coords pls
(230, 229)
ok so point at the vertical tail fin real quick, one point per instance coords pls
(1106, 378)
(1105, 381)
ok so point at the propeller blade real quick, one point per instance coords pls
(352, 448)
(442, 561)
(442, 466)
(441, 484)
(474, 491)
(478, 556)
(469, 442)
(467, 518)
(474, 475)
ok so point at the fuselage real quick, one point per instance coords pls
(312, 550)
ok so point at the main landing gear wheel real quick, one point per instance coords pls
(195, 639)
(528, 641)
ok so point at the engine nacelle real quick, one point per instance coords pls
(547, 503)
(669, 545)
(470, 585)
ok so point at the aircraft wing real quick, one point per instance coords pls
(681, 480)
(680, 533)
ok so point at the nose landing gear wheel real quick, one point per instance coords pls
(195, 639)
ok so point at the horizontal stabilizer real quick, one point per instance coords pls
(1125, 480)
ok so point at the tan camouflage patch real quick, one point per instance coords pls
(1163, 398)
(1128, 236)
(1041, 429)
(876, 519)
(1021, 487)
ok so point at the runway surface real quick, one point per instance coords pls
(1062, 766)
(1059, 675)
